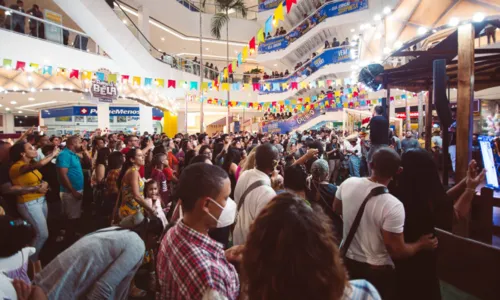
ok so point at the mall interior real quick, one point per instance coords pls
(272, 67)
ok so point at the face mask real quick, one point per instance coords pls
(228, 214)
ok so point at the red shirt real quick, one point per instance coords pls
(190, 264)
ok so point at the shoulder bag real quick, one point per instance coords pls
(350, 236)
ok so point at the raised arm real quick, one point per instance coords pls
(30, 167)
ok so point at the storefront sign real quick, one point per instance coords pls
(413, 115)
(92, 111)
(326, 11)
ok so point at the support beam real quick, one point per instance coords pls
(465, 97)
(428, 120)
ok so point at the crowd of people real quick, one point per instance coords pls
(227, 216)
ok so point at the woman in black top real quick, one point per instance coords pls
(427, 205)
(334, 157)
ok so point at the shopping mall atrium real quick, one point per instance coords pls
(272, 68)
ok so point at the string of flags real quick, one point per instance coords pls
(149, 82)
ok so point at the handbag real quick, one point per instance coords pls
(344, 246)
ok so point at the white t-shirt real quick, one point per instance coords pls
(255, 201)
(381, 212)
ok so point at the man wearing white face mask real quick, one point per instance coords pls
(191, 265)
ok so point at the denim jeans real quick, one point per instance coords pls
(35, 212)
(354, 165)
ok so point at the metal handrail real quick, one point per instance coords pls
(175, 57)
(8, 9)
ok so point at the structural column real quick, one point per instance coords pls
(103, 116)
(146, 119)
(465, 97)
(143, 24)
(8, 123)
(428, 120)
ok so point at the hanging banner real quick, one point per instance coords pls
(268, 4)
(53, 33)
(104, 91)
(326, 11)
(328, 57)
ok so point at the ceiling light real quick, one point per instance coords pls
(30, 79)
(31, 99)
(124, 21)
(454, 22)
(159, 50)
(162, 38)
(1, 105)
(391, 36)
(352, 30)
(37, 104)
(378, 35)
(398, 45)
(207, 49)
(7, 108)
(275, 65)
(422, 30)
(387, 10)
(478, 17)
(387, 50)
(377, 17)
(20, 111)
(13, 102)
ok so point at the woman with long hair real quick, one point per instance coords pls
(247, 164)
(132, 205)
(230, 167)
(31, 206)
(427, 205)
(101, 163)
(291, 254)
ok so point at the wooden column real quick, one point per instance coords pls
(465, 97)
(428, 120)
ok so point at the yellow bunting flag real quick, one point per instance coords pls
(204, 86)
(260, 36)
(345, 104)
(337, 93)
(279, 14)
(160, 82)
(235, 64)
(304, 85)
(86, 75)
(308, 99)
(245, 53)
(225, 86)
(226, 75)
(284, 85)
(34, 67)
(136, 80)
(112, 78)
(321, 83)
(246, 86)
(267, 87)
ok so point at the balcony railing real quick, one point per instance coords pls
(176, 62)
(48, 30)
(212, 8)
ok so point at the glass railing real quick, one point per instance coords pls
(48, 30)
(328, 57)
(328, 10)
(211, 8)
(175, 61)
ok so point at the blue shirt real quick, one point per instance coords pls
(68, 159)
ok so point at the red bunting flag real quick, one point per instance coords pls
(289, 4)
(330, 95)
(329, 83)
(171, 83)
(327, 104)
(74, 74)
(300, 100)
(230, 68)
(20, 65)
(125, 78)
(392, 98)
(251, 44)
(250, 104)
(295, 85)
(273, 104)
(256, 86)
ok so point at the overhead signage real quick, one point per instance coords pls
(106, 92)
(53, 33)
(92, 111)
(328, 10)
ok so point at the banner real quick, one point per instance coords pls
(268, 4)
(328, 57)
(326, 11)
(53, 33)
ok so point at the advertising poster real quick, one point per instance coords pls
(268, 4)
(53, 33)
(331, 9)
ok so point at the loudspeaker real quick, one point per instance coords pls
(441, 101)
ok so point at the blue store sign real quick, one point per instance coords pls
(92, 111)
